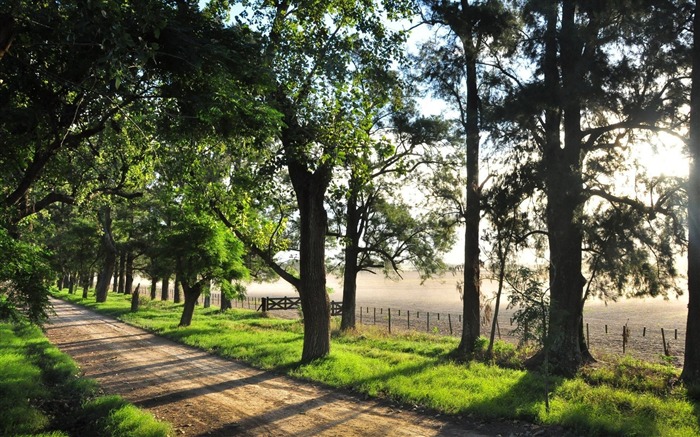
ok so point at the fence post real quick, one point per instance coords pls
(663, 338)
(375, 316)
(438, 317)
(644, 332)
(449, 320)
(606, 329)
(408, 319)
(675, 334)
(360, 315)
(264, 305)
(389, 313)
(427, 325)
(624, 338)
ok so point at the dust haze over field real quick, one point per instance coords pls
(440, 295)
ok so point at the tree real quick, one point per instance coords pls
(204, 251)
(376, 227)
(691, 360)
(587, 106)
(315, 50)
(473, 26)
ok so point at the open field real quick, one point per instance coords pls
(440, 295)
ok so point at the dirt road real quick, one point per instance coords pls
(201, 394)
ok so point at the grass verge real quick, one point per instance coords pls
(41, 394)
(626, 397)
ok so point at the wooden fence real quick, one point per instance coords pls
(292, 303)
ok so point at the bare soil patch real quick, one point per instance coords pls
(201, 394)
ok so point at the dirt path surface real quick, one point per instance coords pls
(201, 394)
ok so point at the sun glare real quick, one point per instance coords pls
(665, 158)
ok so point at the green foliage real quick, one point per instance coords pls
(530, 299)
(415, 368)
(24, 280)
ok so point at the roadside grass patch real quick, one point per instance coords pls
(41, 393)
(624, 397)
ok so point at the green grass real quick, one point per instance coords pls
(623, 397)
(41, 394)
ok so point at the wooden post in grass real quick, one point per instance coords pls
(675, 334)
(663, 338)
(408, 319)
(606, 329)
(427, 325)
(360, 315)
(389, 314)
(449, 321)
(375, 316)
(624, 338)
(644, 332)
(438, 317)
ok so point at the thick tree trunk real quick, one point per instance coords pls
(347, 322)
(154, 287)
(191, 296)
(691, 361)
(129, 273)
(471, 298)
(110, 256)
(562, 168)
(71, 283)
(310, 189)
(225, 302)
(91, 279)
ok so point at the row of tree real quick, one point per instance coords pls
(206, 144)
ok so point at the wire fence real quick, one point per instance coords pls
(641, 339)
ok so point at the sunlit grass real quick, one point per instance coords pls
(41, 393)
(623, 397)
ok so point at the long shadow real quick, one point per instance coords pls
(205, 389)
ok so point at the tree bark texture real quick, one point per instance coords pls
(191, 295)
(347, 322)
(564, 186)
(691, 360)
(310, 189)
(471, 298)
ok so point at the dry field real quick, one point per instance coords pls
(440, 296)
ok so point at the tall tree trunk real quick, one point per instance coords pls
(471, 298)
(110, 256)
(122, 270)
(71, 283)
(310, 189)
(129, 272)
(91, 279)
(691, 361)
(191, 295)
(164, 292)
(154, 287)
(563, 167)
(176, 288)
(347, 322)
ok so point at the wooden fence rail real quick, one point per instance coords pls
(292, 303)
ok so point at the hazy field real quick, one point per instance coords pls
(440, 295)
